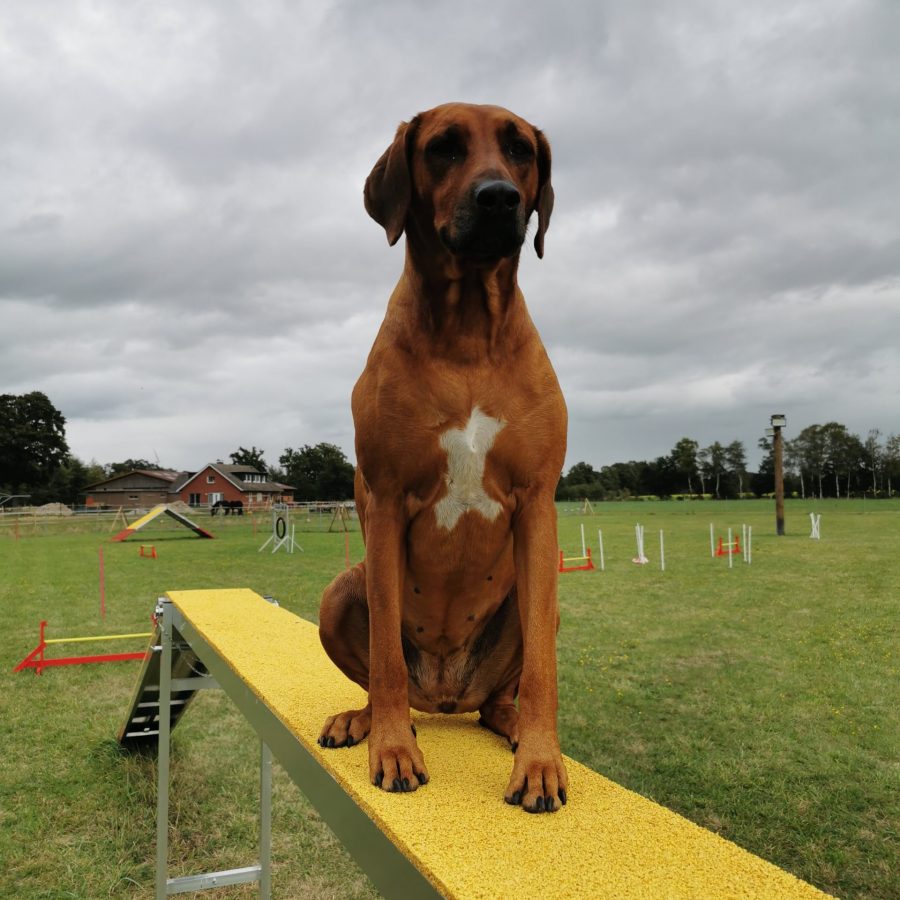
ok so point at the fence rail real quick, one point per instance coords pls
(31, 520)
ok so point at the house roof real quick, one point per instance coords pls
(166, 475)
(229, 473)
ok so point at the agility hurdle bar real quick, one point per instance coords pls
(37, 661)
(729, 547)
(587, 564)
(454, 837)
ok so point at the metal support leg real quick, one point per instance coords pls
(162, 759)
(164, 885)
(265, 820)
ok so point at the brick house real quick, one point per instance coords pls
(143, 488)
(217, 481)
(138, 488)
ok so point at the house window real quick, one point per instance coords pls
(194, 500)
(210, 479)
(134, 497)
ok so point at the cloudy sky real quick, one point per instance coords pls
(186, 265)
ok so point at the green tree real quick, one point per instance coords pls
(684, 458)
(763, 480)
(252, 457)
(793, 462)
(318, 473)
(736, 463)
(712, 464)
(32, 443)
(94, 472)
(69, 481)
(809, 450)
(843, 454)
(891, 459)
(132, 465)
(874, 457)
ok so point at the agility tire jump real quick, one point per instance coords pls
(455, 837)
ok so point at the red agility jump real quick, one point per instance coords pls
(37, 661)
(586, 562)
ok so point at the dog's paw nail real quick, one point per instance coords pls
(423, 778)
(562, 796)
(379, 778)
(406, 786)
(549, 804)
(516, 798)
(415, 733)
(350, 741)
(331, 742)
(395, 785)
(515, 746)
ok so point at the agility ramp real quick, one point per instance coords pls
(162, 510)
(454, 837)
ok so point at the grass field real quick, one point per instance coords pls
(761, 702)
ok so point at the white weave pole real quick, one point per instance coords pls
(815, 521)
(730, 553)
(749, 544)
(640, 559)
(600, 545)
(744, 539)
(712, 542)
(583, 545)
(662, 552)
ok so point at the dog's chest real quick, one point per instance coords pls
(467, 450)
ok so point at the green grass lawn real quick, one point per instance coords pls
(761, 702)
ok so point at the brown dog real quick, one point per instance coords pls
(460, 439)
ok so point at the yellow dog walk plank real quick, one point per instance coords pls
(154, 513)
(457, 831)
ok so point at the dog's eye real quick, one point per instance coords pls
(519, 149)
(446, 148)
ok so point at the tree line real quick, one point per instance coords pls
(822, 461)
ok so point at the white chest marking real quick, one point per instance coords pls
(467, 449)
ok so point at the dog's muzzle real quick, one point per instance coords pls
(489, 223)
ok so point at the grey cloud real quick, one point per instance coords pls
(176, 182)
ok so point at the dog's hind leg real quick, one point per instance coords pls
(500, 715)
(344, 632)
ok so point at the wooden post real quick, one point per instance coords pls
(779, 481)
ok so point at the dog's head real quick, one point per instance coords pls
(469, 177)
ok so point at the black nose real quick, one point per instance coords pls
(497, 197)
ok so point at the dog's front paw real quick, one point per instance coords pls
(346, 728)
(539, 781)
(395, 762)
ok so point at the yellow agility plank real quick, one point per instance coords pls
(457, 831)
(148, 517)
(160, 510)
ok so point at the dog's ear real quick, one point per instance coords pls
(544, 202)
(389, 186)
